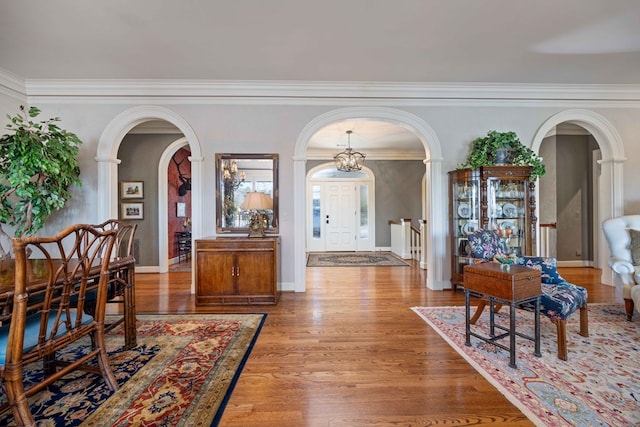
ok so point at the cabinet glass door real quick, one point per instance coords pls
(507, 213)
(466, 216)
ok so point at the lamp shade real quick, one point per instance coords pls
(257, 201)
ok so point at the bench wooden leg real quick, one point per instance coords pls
(480, 309)
(584, 321)
(561, 326)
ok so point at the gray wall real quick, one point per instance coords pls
(398, 194)
(574, 188)
(140, 155)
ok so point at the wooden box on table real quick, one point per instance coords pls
(514, 283)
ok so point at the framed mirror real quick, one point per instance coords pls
(246, 185)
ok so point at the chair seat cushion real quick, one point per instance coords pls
(32, 328)
(560, 300)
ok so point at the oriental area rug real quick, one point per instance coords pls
(599, 385)
(354, 259)
(181, 373)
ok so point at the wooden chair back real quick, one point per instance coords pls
(123, 246)
(122, 277)
(53, 276)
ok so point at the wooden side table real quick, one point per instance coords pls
(513, 285)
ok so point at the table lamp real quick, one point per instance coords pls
(256, 203)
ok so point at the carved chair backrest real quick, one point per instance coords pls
(123, 246)
(52, 277)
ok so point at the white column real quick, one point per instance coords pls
(300, 250)
(423, 244)
(438, 260)
(107, 189)
(610, 205)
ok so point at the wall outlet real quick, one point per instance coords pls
(578, 253)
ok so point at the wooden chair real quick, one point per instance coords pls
(50, 273)
(122, 276)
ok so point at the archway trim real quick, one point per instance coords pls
(436, 221)
(107, 152)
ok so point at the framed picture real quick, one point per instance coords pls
(181, 208)
(132, 210)
(131, 189)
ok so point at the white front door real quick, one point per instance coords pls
(341, 216)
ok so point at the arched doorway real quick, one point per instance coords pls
(106, 157)
(165, 229)
(611, 176)
(436, 229)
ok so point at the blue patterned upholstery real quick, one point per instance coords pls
(559, 297)
(485, 244)
(547, 267)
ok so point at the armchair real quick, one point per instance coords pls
(559, 298)
(623, 236)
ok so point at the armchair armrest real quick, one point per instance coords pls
(621, 266)
(625, 273)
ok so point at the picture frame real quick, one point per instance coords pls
(131, 189)
(181, 209)
(132, 210)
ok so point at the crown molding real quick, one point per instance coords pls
(314, 93)
(13, 86)
(110, 89)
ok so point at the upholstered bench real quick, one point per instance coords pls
(559, 300)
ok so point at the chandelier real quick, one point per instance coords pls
(349, 160)
(230, 175)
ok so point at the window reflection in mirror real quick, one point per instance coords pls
(238, 175)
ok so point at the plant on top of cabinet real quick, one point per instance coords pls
(498, 148)
(38, 165)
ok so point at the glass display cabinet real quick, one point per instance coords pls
(498, 198)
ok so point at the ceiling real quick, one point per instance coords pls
(404, 41)
(498, 41)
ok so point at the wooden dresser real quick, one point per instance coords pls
(237, 270)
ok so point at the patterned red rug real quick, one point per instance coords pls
(181, 373)
(598, 386)
(354, 259)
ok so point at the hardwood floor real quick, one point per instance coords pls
(350, 352)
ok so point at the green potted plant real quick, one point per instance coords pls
(38, 165)
(497, 148)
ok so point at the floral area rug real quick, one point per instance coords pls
(599, 385)
(354, 259)
(181, 373)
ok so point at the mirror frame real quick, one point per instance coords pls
(274, 227)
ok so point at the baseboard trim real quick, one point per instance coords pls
(575, 263)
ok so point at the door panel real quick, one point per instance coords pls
(255, 273)
(340, 217)
(215, 271)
